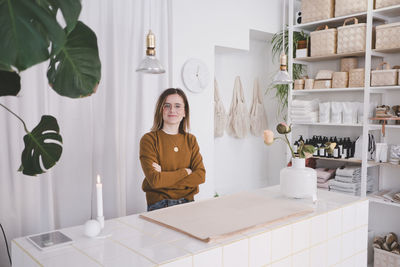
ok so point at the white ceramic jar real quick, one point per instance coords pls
(298, 181)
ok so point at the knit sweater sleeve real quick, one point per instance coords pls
(196, 165)
(148, 155)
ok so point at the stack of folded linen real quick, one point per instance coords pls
(323, 177)
(304, 111)
(348, 180)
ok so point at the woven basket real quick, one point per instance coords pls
(298, 84)
(385, 3)
(323, 42)
(322, 84)
(356, 78)
(324, 75)
(388, 36)
(385, 76)
(312, 10)
(385, 258)
(347, 7)
(340, 79)
(351, 38)
(309, 84)
(348, 63)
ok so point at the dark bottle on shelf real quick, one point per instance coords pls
(301, 139)
(327, 154)
(340, 145)
(336, 150)
(315, 144)
(295, 146)
(345, 149)
(324, 153)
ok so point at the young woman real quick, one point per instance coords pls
(169, 155)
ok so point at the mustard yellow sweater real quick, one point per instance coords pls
(172, 182)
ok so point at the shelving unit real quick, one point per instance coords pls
(385, 202)
(370, 17)
(385, 215)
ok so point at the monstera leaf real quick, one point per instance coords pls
(25, 30)
(70, 10)
(42, 147)
(75, 71)
(10, 83)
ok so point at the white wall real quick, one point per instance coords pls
(242, 164)
(196, 28)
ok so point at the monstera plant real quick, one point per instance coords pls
(30, 34)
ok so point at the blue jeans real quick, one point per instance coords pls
(166, 203)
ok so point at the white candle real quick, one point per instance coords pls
(99, 191)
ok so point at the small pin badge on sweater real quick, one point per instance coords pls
(176, 149)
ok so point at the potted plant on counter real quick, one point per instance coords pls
(297, 181)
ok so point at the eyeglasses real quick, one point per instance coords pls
(177, 106)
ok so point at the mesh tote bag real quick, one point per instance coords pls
(258, 117)
(238, 123)
(220, 117)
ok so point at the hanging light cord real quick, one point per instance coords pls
(149, 14)
(283, 27)
(5, 240)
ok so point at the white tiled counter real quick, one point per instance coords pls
(334, 235)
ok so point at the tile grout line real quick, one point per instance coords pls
(29, 254)
(84, 253)
(131, 249)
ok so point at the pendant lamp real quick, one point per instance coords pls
(283, 77)
(150, 64)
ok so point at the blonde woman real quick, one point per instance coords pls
(170, 156)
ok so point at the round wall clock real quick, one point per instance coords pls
(195, 75)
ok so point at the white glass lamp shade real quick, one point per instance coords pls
(282, 77)
(150, 64)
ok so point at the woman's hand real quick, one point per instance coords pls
(156, 167)
(189, 171)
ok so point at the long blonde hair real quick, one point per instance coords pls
(158, 114)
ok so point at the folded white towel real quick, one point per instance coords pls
(304, 103)
(350, 171)
(310, 114)
(304, 120)
(308, 108)
(353, 193)
(347, 179)
(344, 185)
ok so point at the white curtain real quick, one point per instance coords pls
(100, 133)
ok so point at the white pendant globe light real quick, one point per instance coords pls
(150, 64)
(283, 77)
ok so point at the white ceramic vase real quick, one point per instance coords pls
(298, 181)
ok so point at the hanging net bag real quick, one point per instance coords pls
(238, 122)
(220, 117)
(258, 117)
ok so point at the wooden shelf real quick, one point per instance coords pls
(387, 164)
(390, 11)
(326, 124)
(331, 22)
(385, 120)
(371, 163)
(384, 89)
(381, 201)
(350, 160)
(329, 90)
(387, 51)
(301, 60)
